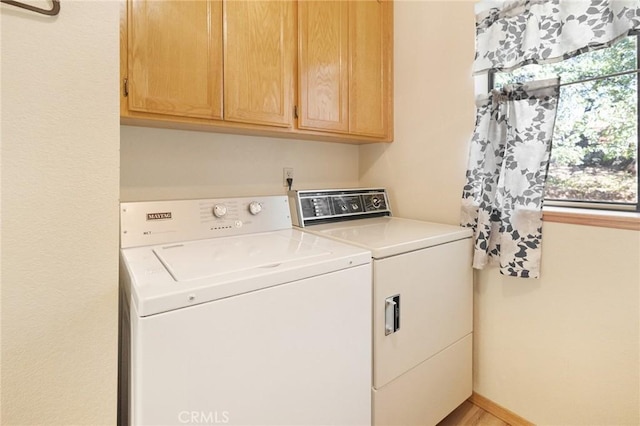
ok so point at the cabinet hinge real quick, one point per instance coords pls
(125, 87)
(295, 111)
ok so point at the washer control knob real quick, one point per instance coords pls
(255, 207)
(219, 210)
(375, 202)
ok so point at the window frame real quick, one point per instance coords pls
(594, 213)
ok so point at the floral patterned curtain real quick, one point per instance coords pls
(511, 146)
(542, 31)
(507, 169)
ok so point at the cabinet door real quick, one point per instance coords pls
(370, 81)
(175, 57)
(323, 28)
(259, 60)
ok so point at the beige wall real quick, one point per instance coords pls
(60, 139)
(434, 111)
(564, 349)
(161, 164)
(560, 350)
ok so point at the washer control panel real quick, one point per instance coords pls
(160, 222)
(334, 205)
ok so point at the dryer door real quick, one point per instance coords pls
(435, 289)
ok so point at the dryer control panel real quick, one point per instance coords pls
(310, 207)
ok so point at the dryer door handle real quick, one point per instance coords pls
(391, 314)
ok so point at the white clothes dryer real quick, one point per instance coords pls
(231, 316)
(422, 300)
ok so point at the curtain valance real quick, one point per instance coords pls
(543, 31)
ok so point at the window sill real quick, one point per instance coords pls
(605, 219)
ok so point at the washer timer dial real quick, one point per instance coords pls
(219, 210)
(255, 207)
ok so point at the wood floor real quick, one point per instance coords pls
(469, 414)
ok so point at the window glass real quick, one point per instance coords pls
(595, 145)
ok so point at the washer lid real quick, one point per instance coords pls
(196, 260)
(388, 236)
(171, 276)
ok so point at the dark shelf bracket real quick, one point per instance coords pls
(55, 7)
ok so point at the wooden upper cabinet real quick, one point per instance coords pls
(345, 67)
(175, 57)
(370, 79)
(323, 65)
(259, 62)
(245, 66)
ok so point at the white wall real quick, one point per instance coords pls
(159, 164)
(60, 141)
(560, 350)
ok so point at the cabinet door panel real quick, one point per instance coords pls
(259, 43)
(370, 79)
(323, 65)
(175, 57)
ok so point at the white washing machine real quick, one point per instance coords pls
(422, 300)
(231, 316)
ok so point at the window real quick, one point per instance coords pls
(594, 159)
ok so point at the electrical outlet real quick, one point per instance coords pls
(287, 173)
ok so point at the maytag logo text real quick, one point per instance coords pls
(159, 216)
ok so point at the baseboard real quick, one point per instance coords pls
(498, 411)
